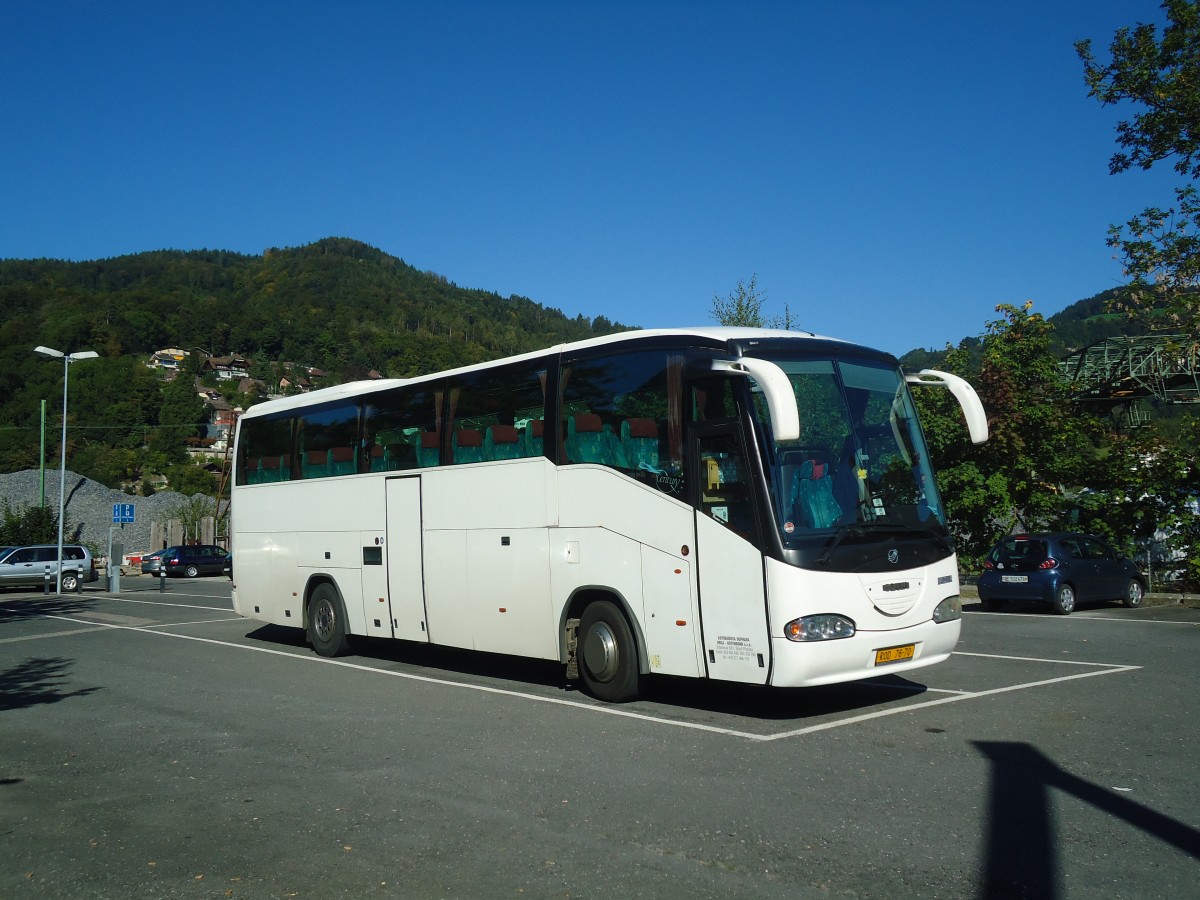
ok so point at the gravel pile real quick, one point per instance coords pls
(89, 507)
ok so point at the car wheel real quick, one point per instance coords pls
(1134, 594)
(70, 582)
(607, 654)
(327, 622)
(1064, 600)
(191, 571)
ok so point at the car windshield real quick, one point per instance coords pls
(860, 462)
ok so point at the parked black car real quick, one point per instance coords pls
(193, 560)
(1060, 569)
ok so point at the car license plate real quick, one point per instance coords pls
(1014, 579)
(895, 654)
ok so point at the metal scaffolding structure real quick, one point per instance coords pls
(1127, 369)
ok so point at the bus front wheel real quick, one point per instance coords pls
(327, 622)
(607, 653)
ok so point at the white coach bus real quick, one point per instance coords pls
(747, 505)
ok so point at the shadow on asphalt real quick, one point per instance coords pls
(1022, 846)
(518, 673)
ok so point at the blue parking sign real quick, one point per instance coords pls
(122, 513)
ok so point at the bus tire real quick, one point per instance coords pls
(327, 622)
(607, 653)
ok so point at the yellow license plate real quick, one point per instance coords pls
(895, 654)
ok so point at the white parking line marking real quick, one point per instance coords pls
(50, 634)
(183, 605)
(1099, 669)
(1057, 662)
(1084, 617)
(197, 622)
(866, 717)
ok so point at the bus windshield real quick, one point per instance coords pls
(860, 462)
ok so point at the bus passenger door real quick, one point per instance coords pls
(729, 564)
(405, 578)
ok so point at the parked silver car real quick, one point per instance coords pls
(152, 562)
(28, 566)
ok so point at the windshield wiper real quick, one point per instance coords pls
(856, 528)
(859, 529)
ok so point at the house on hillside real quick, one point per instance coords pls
(292, 383)
(227, 368)
(253, 386)
(298, 379)
(168, 361)
(217, 430)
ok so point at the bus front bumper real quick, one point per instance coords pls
(868, 654)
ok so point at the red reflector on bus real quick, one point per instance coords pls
(503, 609)
(680, 621)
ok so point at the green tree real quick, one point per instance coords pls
(179, 418)
(743, 307)
(1023, 476)
(28, 525)
(1161, 77)
(191, 512)
(1145, 485)
(188, 479)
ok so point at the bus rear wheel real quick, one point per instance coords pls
(607, 653)
(327, 622)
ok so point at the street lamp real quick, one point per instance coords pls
(67, 359)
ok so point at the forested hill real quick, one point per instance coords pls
(1080, 325)
(337, 304)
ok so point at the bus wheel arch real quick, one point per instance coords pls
(580, 601)
(325, 622)
(610, 653)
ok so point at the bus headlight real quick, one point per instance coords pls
(948, 610)
(824, 627)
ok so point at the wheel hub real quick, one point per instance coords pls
(323, 621)
(600, 652)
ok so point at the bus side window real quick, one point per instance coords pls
(325, 431)
(488, 410)
(261, 445)
(405, 426)
(624, 411)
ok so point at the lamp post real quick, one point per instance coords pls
(67, 359)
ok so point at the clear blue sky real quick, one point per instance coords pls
(890, 170)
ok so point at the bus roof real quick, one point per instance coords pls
(716, 334)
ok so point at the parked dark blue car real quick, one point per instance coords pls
(193, 560)
(1061, 570)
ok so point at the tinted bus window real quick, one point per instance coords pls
(327, 438)
(624, 411)
(402, 430)
(498, 414)
(266, 449)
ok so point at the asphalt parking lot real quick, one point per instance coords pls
(155, 744)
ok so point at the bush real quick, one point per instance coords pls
(28, 525)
